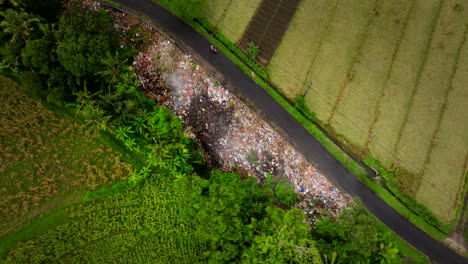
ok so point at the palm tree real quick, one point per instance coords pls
(113, 69)
(18, 24)
(9, 55)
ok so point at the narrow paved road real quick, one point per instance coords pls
(296, 133)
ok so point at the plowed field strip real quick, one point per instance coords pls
(396, 50)
(357, 54)
(290, 63)
(428, 101)
(444, 172)
(323, 33)
(419, 75)
(237, 17)
(360, 97)
(336, 54)
(402, 81)
(441, 115)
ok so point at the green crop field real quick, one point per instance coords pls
(387, 80)
(45, 160)
(385, 83)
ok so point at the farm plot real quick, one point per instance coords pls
(336, 54)
(45, 160)
(361, 93)
(215, 10)
(233, 17)
(444, 177)
(387, 84)
(268, 26)
(289, 66)
(428, 102)
(402, 81)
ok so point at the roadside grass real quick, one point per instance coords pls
(337, 52)
(445, 174)
(421, 123)
(361, 95)
(237, 18)
(46, 160)
(289, 65)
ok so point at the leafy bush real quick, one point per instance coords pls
(253, 50)
(299, 103)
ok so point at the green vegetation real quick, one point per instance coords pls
(314, 42)
(231, 17)
(360, 106)
(253, 50)
(169, 209)
(46, 160)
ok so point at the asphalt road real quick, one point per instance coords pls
(295, 132)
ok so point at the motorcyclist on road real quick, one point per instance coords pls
(213, 49)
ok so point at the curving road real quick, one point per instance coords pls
(295, 132)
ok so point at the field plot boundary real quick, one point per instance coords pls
(419, 75)
(396, 50)
(323, 33)
(444, 105)
(354, 60)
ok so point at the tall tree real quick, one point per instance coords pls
(83, 38)
(113, 68)
(40, 53)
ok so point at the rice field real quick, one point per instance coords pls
(389, 84)
(46, 160)
(388, 80)
(231, 16)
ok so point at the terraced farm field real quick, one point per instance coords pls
(389, 84)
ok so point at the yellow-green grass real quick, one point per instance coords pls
(289, 66)
(237, 18)
(361, 95)
(45, 160)
(441, 187)
(213, 10)
(336, 54)
(394, 104)
(421, 123)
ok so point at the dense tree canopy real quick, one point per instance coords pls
(83, 38)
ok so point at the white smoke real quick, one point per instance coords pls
(177, 82)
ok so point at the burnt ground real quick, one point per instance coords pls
(209, 123)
